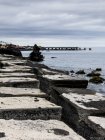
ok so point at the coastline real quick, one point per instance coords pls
(68, 61)
(41, 93)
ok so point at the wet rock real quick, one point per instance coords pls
(93, 73)
(36, 54)
(53, 57)
(11, 50)
(80, 72)
(98, 69)
(97, 80)
(71, 71)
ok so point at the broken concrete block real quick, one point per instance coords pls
(18, 92)
(17, 74)
(97, 123)
(48, 81)
(77, 106)
(37, 130)
(8, 70)
(19, 82)
(22, 108)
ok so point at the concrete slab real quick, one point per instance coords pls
(19, 67)
(91, 104)
(37, 130)
(83, 99)
(14, 61)
(17, 74)
(77, 106)
(9, 70)
(75, 90)
(48, 81)
(97, 124)
(18, 92)
(44, 71)
(5, 58)
(19, 82)
(22, 108)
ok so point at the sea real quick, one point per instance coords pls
(86, 60)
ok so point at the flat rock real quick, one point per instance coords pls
(19, 82)
(28, 108)
(37, 130)
(17, 92)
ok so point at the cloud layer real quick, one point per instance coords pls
(65, 20)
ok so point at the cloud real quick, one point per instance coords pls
(57, 19)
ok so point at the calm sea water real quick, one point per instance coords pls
(76, 60)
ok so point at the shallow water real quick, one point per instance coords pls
(76, 60)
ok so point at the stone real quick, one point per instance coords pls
(98, 69)
(77, 106)
(37, 130)
(21, 82)
(80, 72)
(22, 108)
(17, 74)
(92, 74)
(36, 55)
(61, 80)
(21, 92)
(1, 65)
(14, 70)
(11, 50)
(97, 80)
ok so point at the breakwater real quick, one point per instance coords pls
(36, 102)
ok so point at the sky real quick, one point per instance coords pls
(53, 22)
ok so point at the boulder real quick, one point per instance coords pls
(36, 55)
(97, 80)
(11, 50)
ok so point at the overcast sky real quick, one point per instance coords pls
(53, 22)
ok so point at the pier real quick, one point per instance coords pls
(29, 48)
(61, 48)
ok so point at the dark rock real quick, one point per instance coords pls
(80, 72)
(1, 65)
(36, 54)
(71, 71)
(97, 80)
(53, 57)
(11, 50)
(2, 134)
(60, 132)
(98, 69)
(93, 73)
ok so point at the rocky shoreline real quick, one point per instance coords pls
(37, 102)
